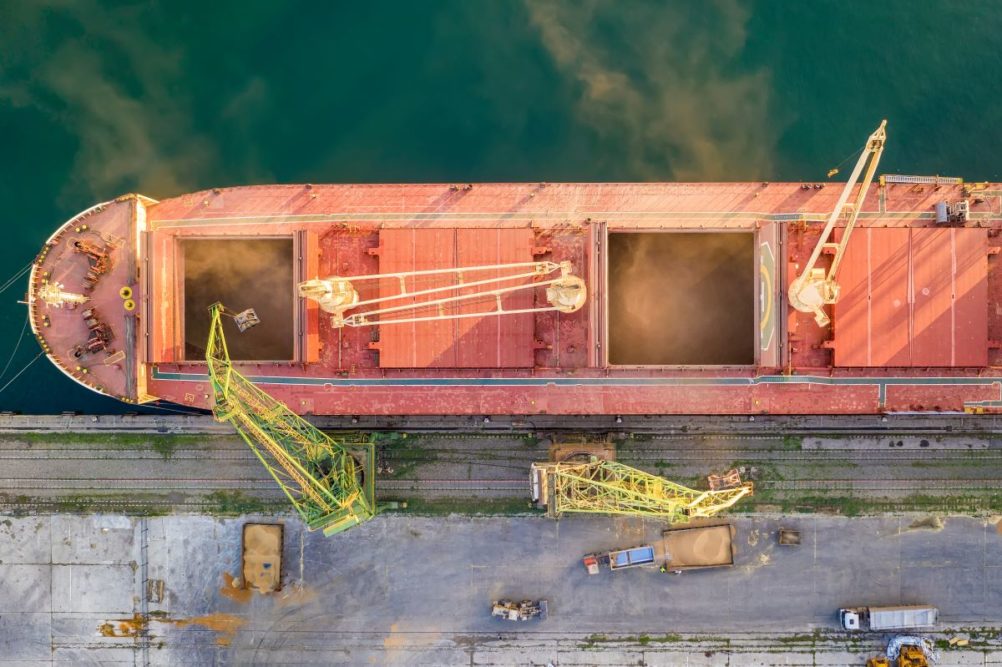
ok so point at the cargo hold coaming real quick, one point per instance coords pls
(687, 307)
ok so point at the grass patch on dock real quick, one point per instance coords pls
(467, 506)
(852, 505)
(120, 439)
(130, 504)
(793, 443)
(234, 503)
(164, 444)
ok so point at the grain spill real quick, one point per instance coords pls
(233, 592)
(225, 625)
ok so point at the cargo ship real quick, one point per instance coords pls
(542, 298)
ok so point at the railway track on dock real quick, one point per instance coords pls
(194, 476)
(267, 487)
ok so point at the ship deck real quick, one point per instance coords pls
(687, 309)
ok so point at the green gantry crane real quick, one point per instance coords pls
(329, 488)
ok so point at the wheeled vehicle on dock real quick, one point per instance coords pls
(526, 610)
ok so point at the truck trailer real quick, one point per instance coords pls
(699, 547)
(679, 549)
(879, 619)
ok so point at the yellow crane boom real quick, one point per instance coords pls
(608, 487)
(328, 487)
(471, 291)
(815, 287)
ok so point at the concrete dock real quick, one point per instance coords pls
(403, 590)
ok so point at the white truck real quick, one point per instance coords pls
(879, 619)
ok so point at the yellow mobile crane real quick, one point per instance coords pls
(328, 487)
(608, 487)
(815, 287)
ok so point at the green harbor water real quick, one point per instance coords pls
(100, 99)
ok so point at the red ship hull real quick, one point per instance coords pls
(915, 328)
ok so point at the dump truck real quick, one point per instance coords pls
(699, 547)
(526, 610)
(879, 619)
(679, 549)
(621, 559)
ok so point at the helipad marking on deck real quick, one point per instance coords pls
(767, 270)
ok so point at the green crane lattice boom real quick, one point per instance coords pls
(608, 487)
(325, 483)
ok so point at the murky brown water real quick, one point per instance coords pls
(681, 298)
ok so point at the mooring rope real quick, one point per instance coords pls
(16, 347)
(14, 278)
(27, 366)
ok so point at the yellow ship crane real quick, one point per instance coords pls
(328, 487)
(466, 290)
(608, 487)
(815, 287)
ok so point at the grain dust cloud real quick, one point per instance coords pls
(660, 82)
(681, 299)
(241, 273)
(104, 75)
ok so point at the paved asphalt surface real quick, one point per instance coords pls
(405, 590)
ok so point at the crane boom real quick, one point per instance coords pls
(814, 287)
(327, 486)
(467, 286)
(608, 487)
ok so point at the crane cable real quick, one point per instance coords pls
(16, 347)
(27, 366)
(834, 170)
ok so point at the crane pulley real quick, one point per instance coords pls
(467, 288)
(815, 287)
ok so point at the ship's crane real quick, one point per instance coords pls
(326, 485)
(608, 487)
(815, 287)
(468, 286)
